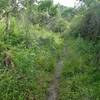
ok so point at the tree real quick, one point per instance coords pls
(68, 13)
(49, 7)
(90, 3)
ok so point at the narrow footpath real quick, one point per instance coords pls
(53, 89)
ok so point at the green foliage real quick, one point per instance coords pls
(49, 7)
(33, 66)
(75, 25)
(4, 4)
(45, 5)
(79, 80)
(67, 13)
(59, 25)
(90, 3)
(91, 23)
(86, 25)
(34, 35)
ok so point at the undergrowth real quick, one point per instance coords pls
(33, 58)
(80, 78)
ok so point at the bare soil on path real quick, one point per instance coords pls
(54, 86)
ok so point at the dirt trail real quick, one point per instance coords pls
(53, 89)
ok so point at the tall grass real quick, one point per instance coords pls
(80, 77)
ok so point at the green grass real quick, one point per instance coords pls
(34, 66)
(80, 79)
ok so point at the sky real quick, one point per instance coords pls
(69, 3)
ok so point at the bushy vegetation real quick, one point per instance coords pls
(28, 53)
(32, 67)
(80, 77)
(33, 35)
